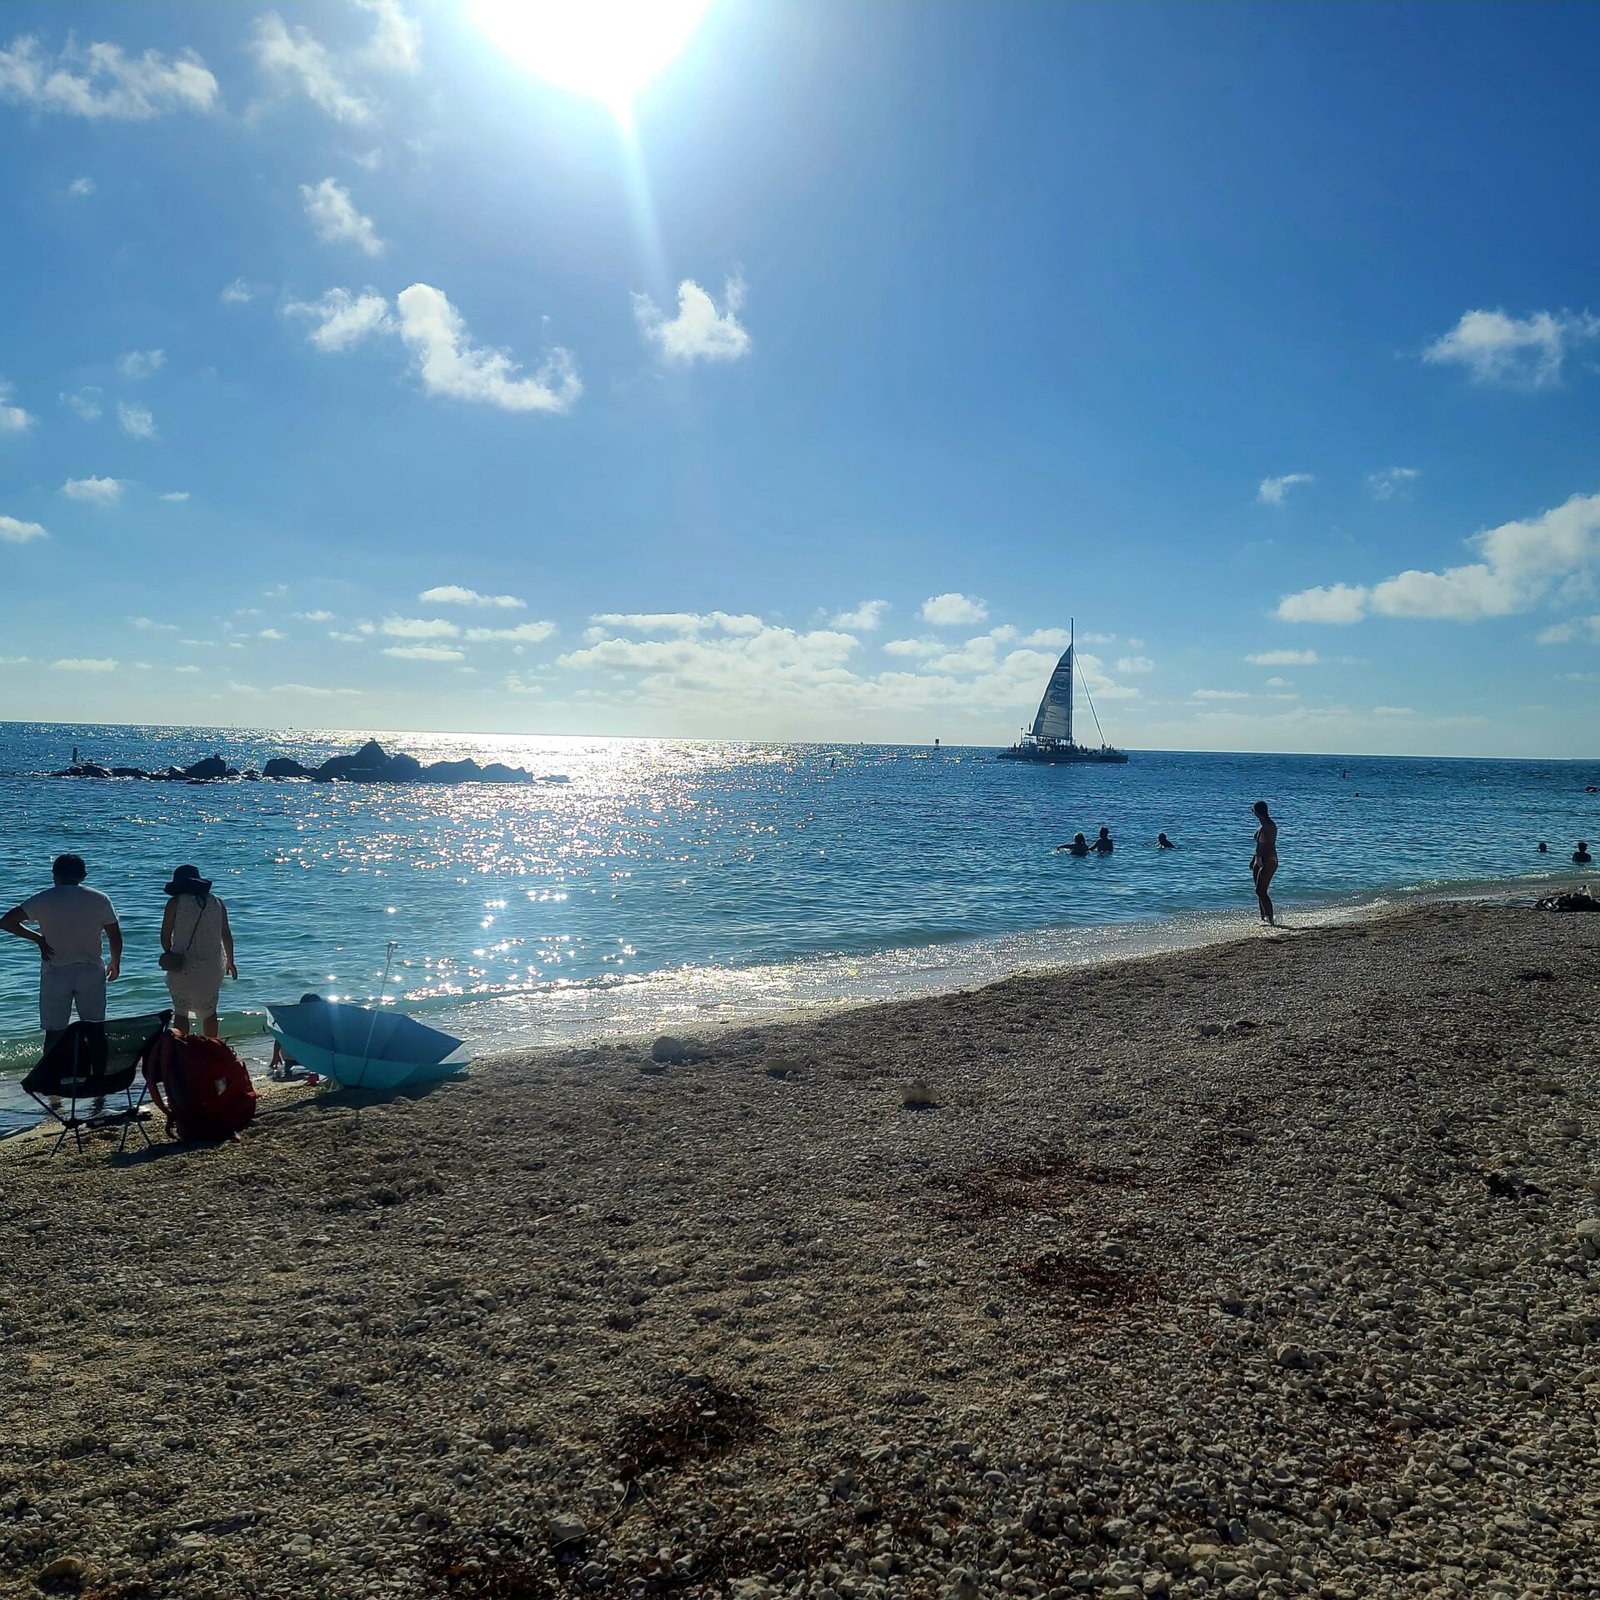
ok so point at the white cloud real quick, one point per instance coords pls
(1566, 632)
(176, 496)
(1284, 658)
(1278, 683)
(150, 625)
(343, 319)
(423, 652)
(299, 61)
(13, 419)
(269, 633)
(97, 491)
(698, 332)
(81, 188)
(917, 648)
(1393, 711)
(314, 616)
(947, 610)
(348, 638)
(865, 618)
(1385, 485)
(334, 216)
(523, 633)
(419, 628)
(1338, 603)
(237, 293)
(141, 363)
(679, 621)
(1219, 694)
(396, 40)
(15, 531)
(86, 403)
(1522, 353)
(312, 689)
(1135, 664)
(452, 594)
(450, 364)
(1521, 562)
(135, 421)
(98, 80)
(84, 664)
(1273, 491)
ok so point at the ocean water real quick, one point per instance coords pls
(670, 880)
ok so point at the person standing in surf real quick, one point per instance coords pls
(1265, 861)
(196, 950)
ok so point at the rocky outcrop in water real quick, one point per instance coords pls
(369, 764)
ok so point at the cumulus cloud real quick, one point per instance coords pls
(396, 40)
(1273, 491)
(141, 363)
(150, 625)
(85, 664)
(917, 649)
(343, 319)
(1519, 352)
(270, 633)
(452, 594)
(1132, 664)
(1387, 484)
(136, 421)
(333, 214)
(1284, 658)
(81, 188)
(13, 419)
(1520, 563)
(678, 621)
(423, 652)
(313, 689)
(1219, 694)
(699, 332)
(237, 293)
(14, 531)
(450, 364)
(297, 60)
(85, 403)
(1574, 628)
(314, 616)
(99, 81)
(419, 628)
(96, 491)
(523, 633)
(865, 618)
(948, 610)
(176, 496)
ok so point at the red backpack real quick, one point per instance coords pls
(201, 1086)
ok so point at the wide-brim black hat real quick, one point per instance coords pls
(187, 880)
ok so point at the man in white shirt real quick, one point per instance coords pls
(72, 920)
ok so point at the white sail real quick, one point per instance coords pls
(1054, 719)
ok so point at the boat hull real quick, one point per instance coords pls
(1064, 756)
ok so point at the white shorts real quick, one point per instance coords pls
(65, 983)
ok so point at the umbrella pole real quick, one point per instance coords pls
(366, 1049)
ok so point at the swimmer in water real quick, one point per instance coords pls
(1581, 856)
(1264, 863)
(1543, 848)
(1078, 847)
(1103, 844)
(1164, 843)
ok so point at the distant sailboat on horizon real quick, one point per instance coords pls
(1049, 741)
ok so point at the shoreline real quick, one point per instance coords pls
(593, 1016)
(1259, 1269)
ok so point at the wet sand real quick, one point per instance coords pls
(1259, 1269)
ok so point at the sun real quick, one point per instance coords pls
(607, 50)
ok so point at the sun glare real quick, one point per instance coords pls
(607, 50)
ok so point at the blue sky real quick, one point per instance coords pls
(357, 376)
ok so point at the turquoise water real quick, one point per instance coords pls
(673, 879)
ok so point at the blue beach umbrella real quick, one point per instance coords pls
(364, 1048)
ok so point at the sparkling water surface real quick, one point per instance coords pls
(677, 879)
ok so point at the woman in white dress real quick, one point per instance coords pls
(196, 950)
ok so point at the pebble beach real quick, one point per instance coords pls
(1262, 1269)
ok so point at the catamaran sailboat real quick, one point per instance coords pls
(1049, 740)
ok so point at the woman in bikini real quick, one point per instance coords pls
(1265, 861)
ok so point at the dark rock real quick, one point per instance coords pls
(284, 767)
(127, 772)
(499, 772)
(404, 769)
(210, 767)
(467, 771)
(250, 775)
(675, 1052)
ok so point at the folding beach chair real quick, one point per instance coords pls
(81, 1067)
